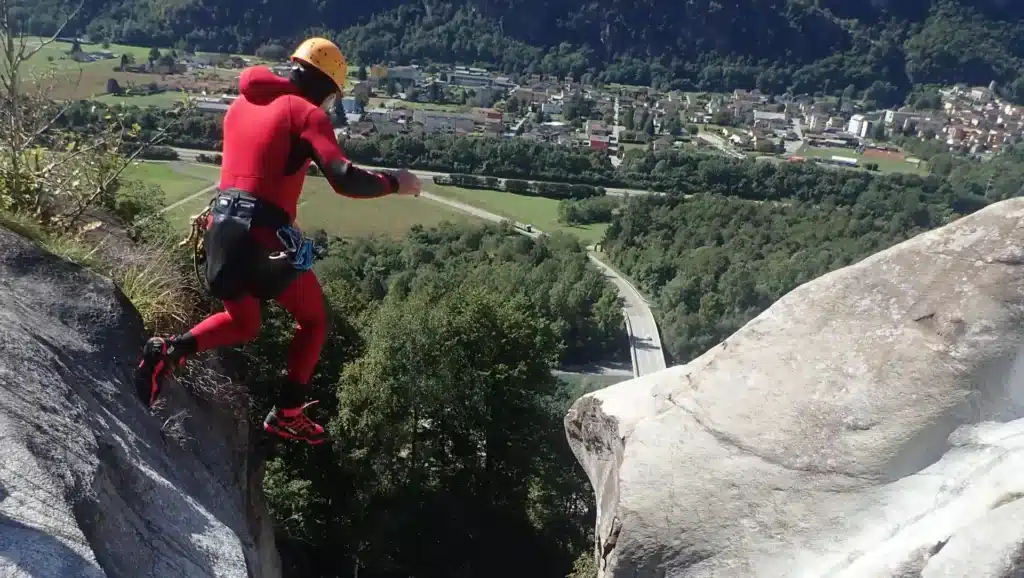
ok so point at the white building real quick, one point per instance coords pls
(470, 79)
(405, 73)
(552, 107)
(769, 119)
(858, 125)
(438, 122)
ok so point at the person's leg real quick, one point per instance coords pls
(237, 324)
(304, 299)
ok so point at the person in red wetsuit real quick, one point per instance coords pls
(272, 133)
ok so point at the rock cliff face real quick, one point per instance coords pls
(866, 425)
(89, 484)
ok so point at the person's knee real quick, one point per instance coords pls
(316, 325)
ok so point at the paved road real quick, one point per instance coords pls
(189, 155)
(644, 339)
(645, 342)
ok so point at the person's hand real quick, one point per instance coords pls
(408, 183)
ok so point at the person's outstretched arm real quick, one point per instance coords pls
(346, 179)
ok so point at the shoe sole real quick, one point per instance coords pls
(288, 435)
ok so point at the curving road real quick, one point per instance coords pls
(644, 339)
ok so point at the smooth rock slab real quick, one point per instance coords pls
(88, 486)
(816, 440)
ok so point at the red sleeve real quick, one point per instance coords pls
(346, 179)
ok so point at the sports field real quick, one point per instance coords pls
(886, 165)
(537, 211)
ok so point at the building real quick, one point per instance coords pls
(773, 120)
(490, 119)
(527, 96)
(404, 74)
(816, 122)
(469, 79)
(438, 122)
(858, 125)
(553, 106)
(351, 105)
(599, 143)
(486, 115)
(361, 90)
(378, 115)
(981, 93)
(597, 128)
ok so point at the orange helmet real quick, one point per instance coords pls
(325, 56)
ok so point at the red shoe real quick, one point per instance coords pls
(158, 361)
(293, 424)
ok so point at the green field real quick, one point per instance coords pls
(885, 165)
(66, 78)
(319, 206)
(537, 211)
(178, 180)
(161, 99)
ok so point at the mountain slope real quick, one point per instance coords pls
(695, 44)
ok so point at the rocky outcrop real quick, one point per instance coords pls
(866, 425)
(91, 484)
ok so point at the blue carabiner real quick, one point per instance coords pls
(297, 246)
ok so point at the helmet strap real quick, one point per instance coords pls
(314, 85)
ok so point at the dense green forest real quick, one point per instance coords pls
(714, 262)
(448, 450)
(774, 45)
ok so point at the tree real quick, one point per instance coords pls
(674, 125)
(50, 172)
(272, 52)
(448, 410)
(878, 131)
(626, 115)
(167, 61)
(363, 99)
(361, 73)
(434, 92)
(154, 54)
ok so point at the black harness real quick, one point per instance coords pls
(235, 264)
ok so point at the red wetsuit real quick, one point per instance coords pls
(271, 134)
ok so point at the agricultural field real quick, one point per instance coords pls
(537, 211)
(177, 180)
(67, 78)
(320, 207)
(885, 165)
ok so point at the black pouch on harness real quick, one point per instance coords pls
(236, 264)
